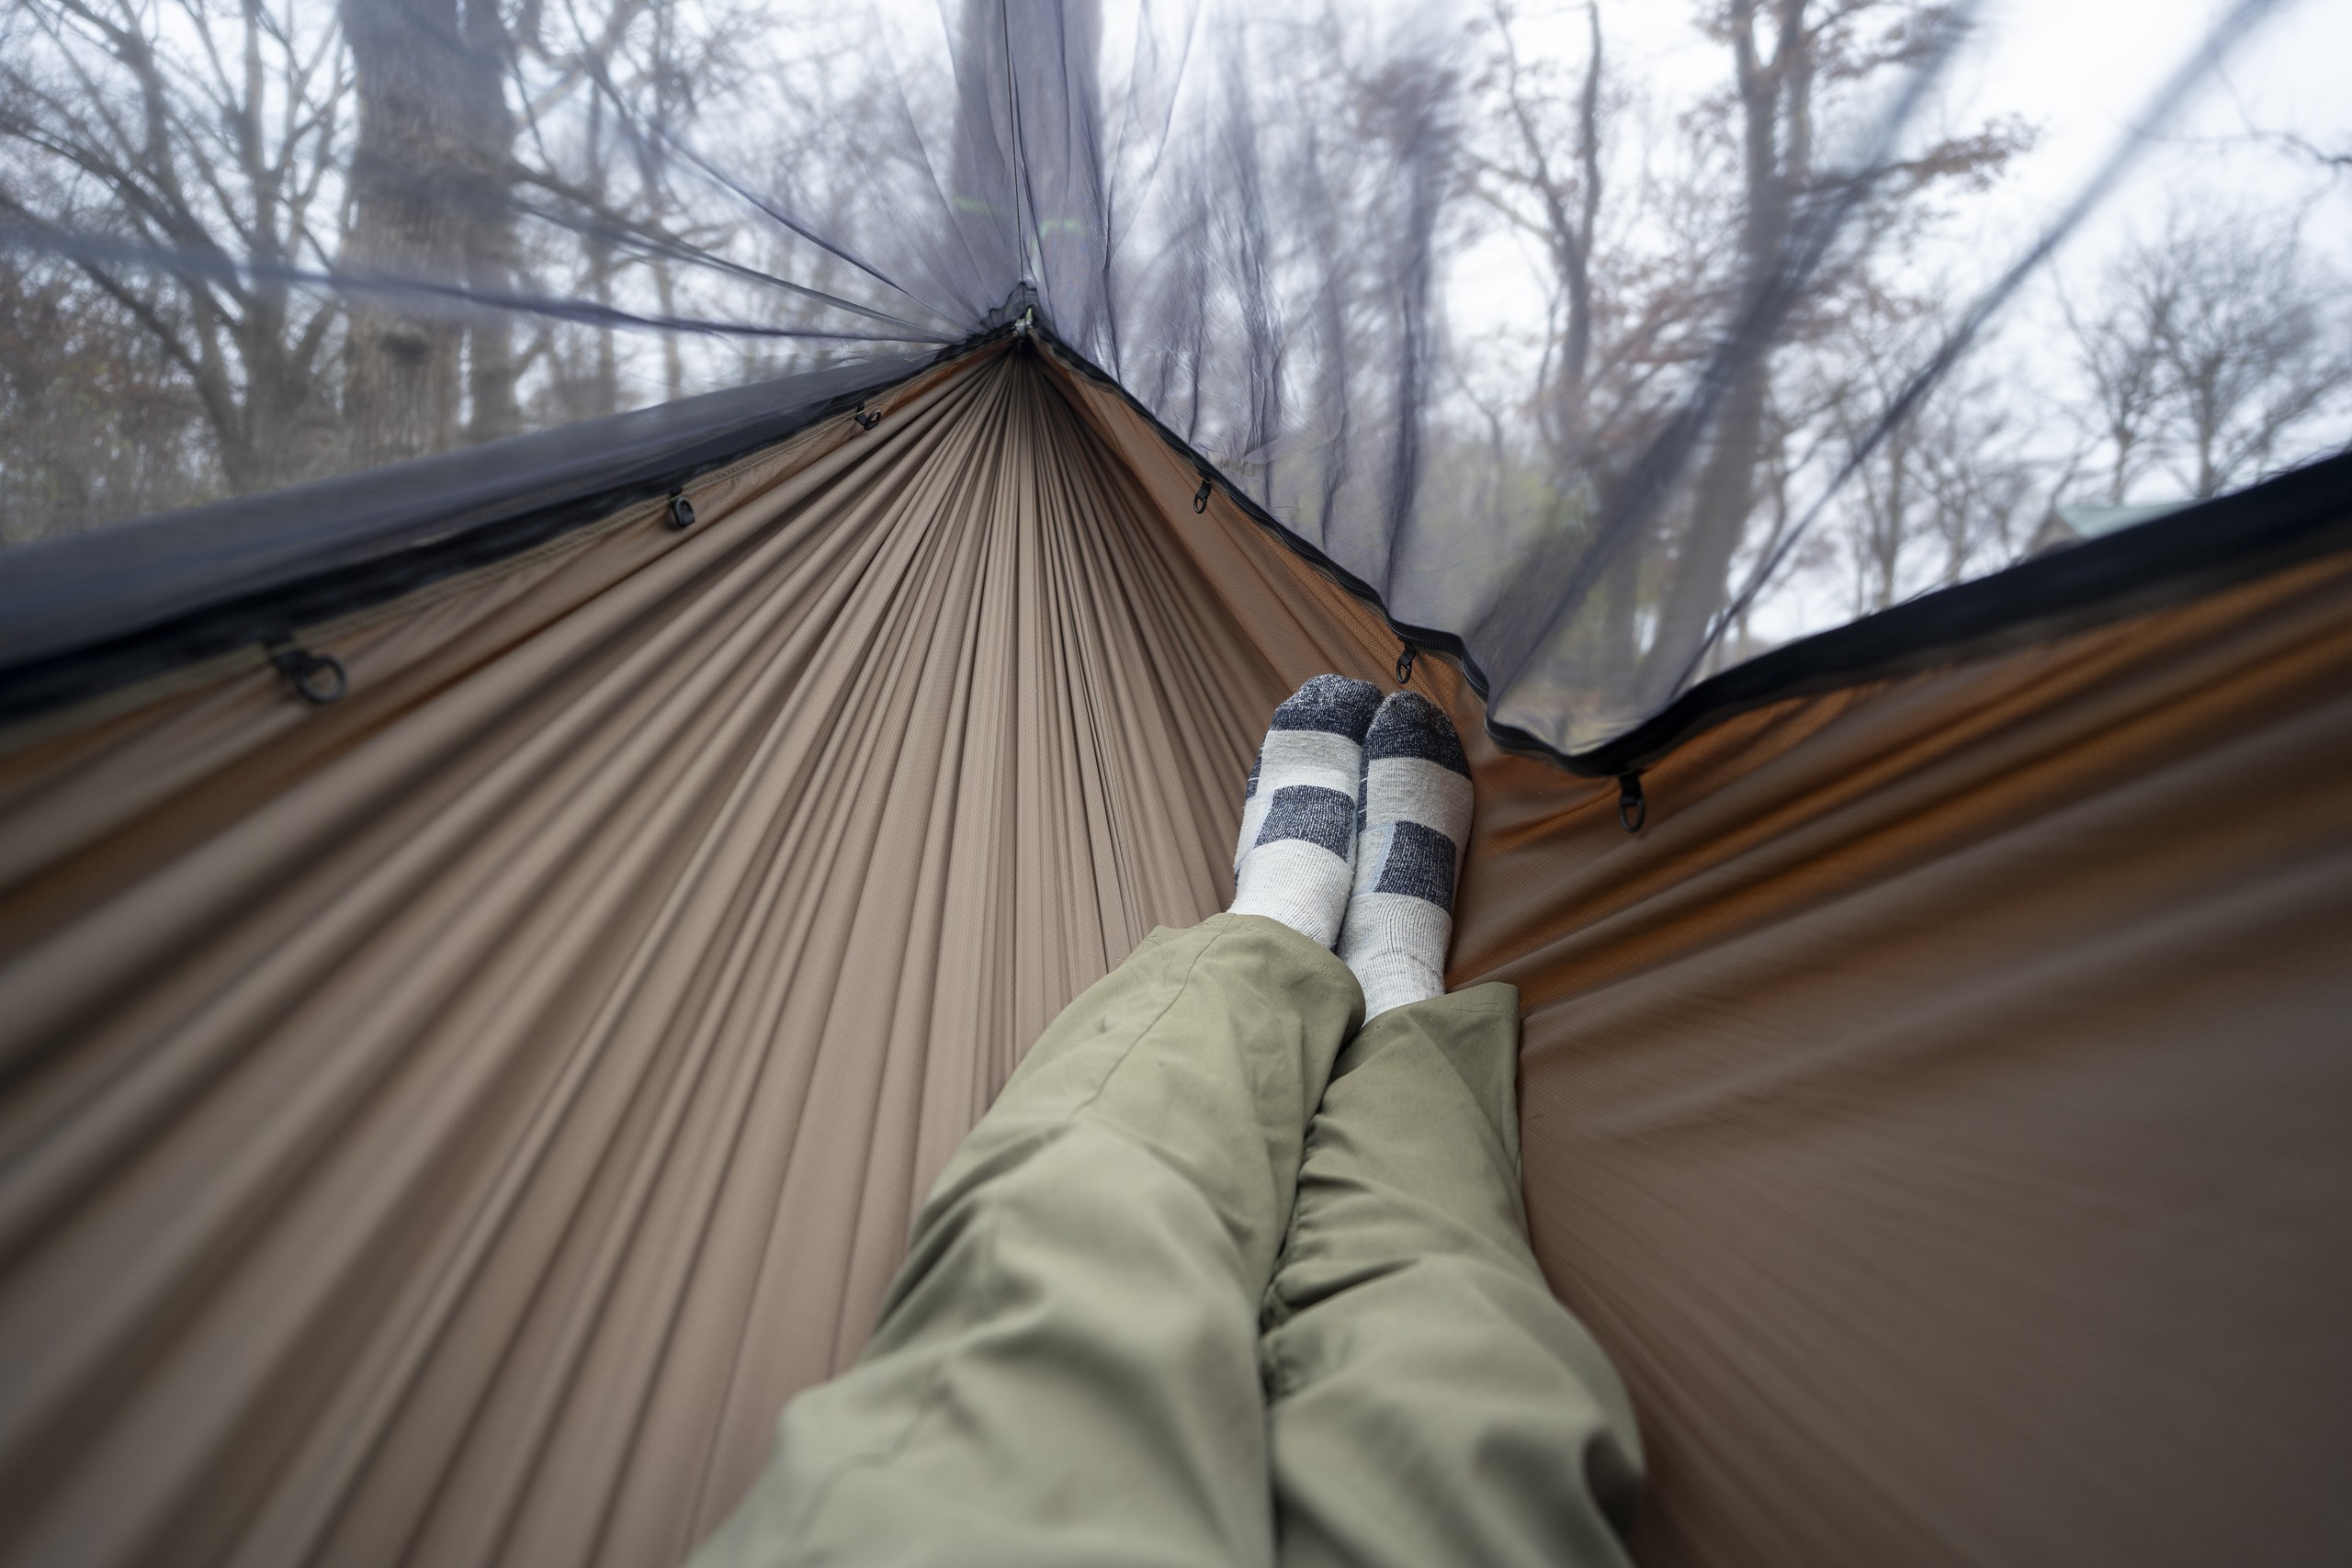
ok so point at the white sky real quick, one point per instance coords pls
(2080, 71)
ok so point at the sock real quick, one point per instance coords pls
(1416, 822)
(1298, 848)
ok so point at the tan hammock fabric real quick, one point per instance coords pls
(444, 1127)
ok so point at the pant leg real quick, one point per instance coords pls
(1430, 1400)
(1065, 1370)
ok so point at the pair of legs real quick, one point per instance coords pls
(1228, 1275)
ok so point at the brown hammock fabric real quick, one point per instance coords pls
(444, 1127)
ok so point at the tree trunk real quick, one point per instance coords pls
(489, 215)
(400, 358)
(673, 364)
(1775, 108)
(1575, 259)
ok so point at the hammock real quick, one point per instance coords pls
(445, 1123)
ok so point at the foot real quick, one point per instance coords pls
(1297, 848)
(1416, 824)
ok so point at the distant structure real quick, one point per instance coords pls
(2077, 521)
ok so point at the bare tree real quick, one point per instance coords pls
(2333, 160)
(1791, 63)
(1647, 273)
(2120, 354)
(1636, 272)
(611, 89)
(217, 148)
(1545, 179)
(98, 424)
(288, 199)
(1774, 91)
(2218, 345)
(1635, 281)
(2250, 357)
(1948, 490)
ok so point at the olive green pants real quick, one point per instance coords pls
(1221, 1279)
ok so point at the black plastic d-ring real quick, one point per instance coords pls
(1201, 497)
(1405, 666)
(1633, 807)
(867, 418)
(682, 512)
(318, 678)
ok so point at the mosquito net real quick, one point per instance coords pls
(609, 606)
(1607, 346)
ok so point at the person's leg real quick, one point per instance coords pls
(1066, 1368)
(1430, 1401)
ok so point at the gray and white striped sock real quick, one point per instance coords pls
(1298, 820)
(1416, 823)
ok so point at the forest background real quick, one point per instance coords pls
(1469, 265)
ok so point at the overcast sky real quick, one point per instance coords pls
(2080, 73)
